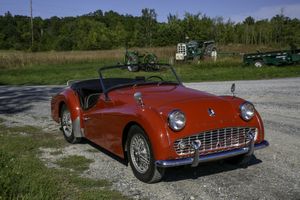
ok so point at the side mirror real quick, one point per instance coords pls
(233, 88)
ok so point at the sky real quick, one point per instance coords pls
(236, 10)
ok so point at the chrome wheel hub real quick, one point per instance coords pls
(140, 153)
(67, 123)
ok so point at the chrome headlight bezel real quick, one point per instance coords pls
(247, 110)
(176, 120)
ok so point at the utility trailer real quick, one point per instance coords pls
(286, 57)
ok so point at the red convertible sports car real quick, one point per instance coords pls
(154, 122)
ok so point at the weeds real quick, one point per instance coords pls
(58, 67)
(77, 163)
(24, 176)
(19, 59)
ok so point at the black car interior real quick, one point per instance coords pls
(90, 90)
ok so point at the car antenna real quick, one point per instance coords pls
(233, 89)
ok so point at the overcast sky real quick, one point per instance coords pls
(236, 10)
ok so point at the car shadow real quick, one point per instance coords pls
(106, 152)
(184, 172)
(205, 169)
(17, 99)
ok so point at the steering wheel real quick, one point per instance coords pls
(158, 77)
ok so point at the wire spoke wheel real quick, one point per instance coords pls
(140, 153)
(67, 123)
(140, 156)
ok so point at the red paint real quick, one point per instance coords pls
(109, 118)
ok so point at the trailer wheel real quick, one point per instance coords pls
(258, 63)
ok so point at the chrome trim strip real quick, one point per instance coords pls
(210, 157)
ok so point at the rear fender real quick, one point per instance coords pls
(71, 100)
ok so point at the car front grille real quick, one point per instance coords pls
(213, 141)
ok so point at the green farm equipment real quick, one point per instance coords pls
(137, 61)
(286, 57)
(194, 50)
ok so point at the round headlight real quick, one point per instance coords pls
(176, 120)
(247, 111)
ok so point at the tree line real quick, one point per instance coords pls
(108, 30)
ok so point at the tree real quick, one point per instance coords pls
(99, 30)
(148, 26)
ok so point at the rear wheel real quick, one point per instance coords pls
(67, 125)
(133, 68)
(258, 63)
(141, 158)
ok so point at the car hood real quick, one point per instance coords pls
(193, 103)
(196, 106)
(166, 95)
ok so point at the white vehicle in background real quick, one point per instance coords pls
(194, 50)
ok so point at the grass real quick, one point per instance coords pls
(44, 68)
(57, 152)
(77, 163)
(24, 176)
(20, 59)
(222, 70)
(232, 70)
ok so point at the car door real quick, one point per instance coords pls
(96, 127)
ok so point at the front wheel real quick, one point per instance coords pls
(141, 158)
(67, 125)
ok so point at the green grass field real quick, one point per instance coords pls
(57, 74)
(44, 68)
(24, 176)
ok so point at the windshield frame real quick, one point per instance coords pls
(107, 90)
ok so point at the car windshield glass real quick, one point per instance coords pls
(120, 76)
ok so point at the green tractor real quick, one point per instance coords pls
(194, 50)
(137, 61)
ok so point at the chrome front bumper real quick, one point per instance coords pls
(212, 157)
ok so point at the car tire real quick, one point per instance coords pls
(67, 125)
(139, 146)
(258, 63)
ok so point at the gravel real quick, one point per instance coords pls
(273, 174)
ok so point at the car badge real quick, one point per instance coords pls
(211, 112)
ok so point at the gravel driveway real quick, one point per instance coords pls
(273, 174)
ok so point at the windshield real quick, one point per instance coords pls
(122, 76)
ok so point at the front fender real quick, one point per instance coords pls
(155, 128)
(255, 121)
